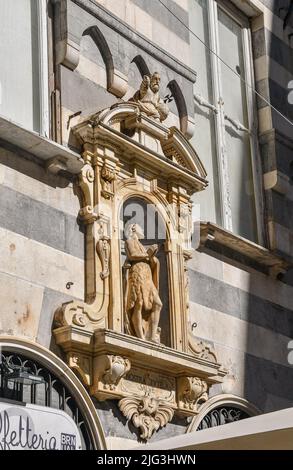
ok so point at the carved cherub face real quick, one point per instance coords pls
(155, 82)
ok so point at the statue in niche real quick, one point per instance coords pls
(142, 302)
(148, 98)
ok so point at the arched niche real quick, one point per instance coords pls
(92, 63)
(139, 210)
(116, 81)
(141, 65)
(137, 69)
(180, 102)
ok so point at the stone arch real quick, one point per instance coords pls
(129, 189)
(56, 366)
(153, 220)
(116, 81)
(181, 105)
(141, 65)
(221, 401)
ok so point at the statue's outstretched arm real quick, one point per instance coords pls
(144, 86)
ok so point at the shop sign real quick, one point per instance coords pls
(32, 427)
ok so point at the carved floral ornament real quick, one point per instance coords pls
(113, 338)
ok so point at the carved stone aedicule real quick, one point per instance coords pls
(128, 338)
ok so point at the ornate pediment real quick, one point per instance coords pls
(132, 131)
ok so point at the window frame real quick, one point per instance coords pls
(220, 118)
(43, 68)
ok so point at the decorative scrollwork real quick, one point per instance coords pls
(201, 349)
(117, 368)
(103, 250)
(220, 416)
(80, 314)
(147, 413)
(192, 393)
(108, 176)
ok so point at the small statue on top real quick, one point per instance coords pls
(148, 98)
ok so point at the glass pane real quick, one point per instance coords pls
(204, 137)
(19, 71)
(237, 142)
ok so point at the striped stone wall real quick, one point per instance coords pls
(41, 249)
(273, 54)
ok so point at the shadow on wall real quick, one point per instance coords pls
(21, 161)
(268, 375)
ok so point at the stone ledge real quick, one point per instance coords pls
(157, 357)
(54, 156)
(212, 235)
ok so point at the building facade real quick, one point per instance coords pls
(170, 120)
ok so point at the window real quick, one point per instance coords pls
(225, 135)
(23, 57)
(50, 393)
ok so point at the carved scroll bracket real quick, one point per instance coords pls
(80, 314)
(84, 188)
(108, 372)
(82, 365)
(192, 392)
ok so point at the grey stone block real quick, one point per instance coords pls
(90, 97)
(279, 50)
(259, 43)
(275, 5)
(263, 378)
(167, 18)
(282, 210)
(219, 296)
(33, 219)
(51, 301)
(214, 294)
(262, 87)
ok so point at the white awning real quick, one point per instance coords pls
(271, 431)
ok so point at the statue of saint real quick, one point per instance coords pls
(142, 302)
(148, 98)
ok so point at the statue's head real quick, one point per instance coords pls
(134, 229)
(155, 82)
